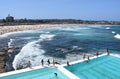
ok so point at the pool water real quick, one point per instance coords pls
(45, 73)
(106, 67)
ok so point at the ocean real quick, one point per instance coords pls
(61, 43)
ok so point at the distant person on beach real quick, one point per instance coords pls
(42, 62)
(48, 62)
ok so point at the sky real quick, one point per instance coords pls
(61, 9)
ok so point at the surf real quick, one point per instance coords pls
(32, 51)
(117, 36)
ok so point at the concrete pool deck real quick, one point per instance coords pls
(59, 67)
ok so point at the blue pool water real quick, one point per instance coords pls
(45, 73)
(106, 67)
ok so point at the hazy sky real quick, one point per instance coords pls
(63, 9)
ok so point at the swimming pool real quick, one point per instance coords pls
(44, 73)
(105, 67)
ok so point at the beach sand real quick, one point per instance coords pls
(7, 29)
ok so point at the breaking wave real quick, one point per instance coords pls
(107, 27)
(117, 36)
(10, 33)
(20, 32)
(31, 52)
(113, 32)
(46, 36)
(73, 28)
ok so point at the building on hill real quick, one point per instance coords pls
(9, 18)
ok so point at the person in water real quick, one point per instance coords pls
(55, 74)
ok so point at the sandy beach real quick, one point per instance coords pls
(7, 29)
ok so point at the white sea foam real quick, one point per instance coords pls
(31, 52)
(76, 47)
(46, 36)
(113, 32)
(73, 28)
(96, 26)
(107, 27)
(19, 32)
(78, 34)
(26, 38)
(10, 33)
(117, 36)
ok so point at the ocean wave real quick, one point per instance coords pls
(36, 31)
(96, 26)
(113, 32)
(117, 36)
(31, 52)
(78, 34)
(26, 38)
(10, 33)
(25, 31)
(46, 36)
(107, 27)
(73, 28)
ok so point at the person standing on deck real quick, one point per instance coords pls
(88, 58)
(97, 54)
(48, 62)
(84, 56)
(42, 62)
(29, 64)
(107, 52)
(53, 62)
(68, 63)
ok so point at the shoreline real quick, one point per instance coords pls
(8, 29)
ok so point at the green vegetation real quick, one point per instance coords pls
(25, 21)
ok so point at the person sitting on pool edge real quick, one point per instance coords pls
(55, 62)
